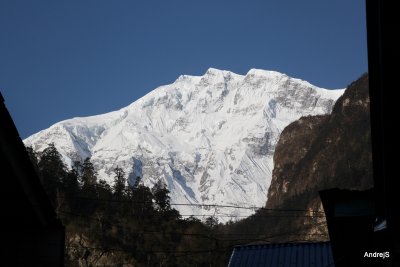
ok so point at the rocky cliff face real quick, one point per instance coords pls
(321, 152)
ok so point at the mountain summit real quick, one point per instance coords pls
(209, 138)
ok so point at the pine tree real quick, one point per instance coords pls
(119, 183)
(104, 190)
(161, 196)
(142, 202)
(89, 187)
(89, 175)
(52, 170)
(77, 166)
(71, 185)
(211, 221)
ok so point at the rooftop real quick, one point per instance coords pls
(282, 255)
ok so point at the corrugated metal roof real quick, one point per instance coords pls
(283, 255)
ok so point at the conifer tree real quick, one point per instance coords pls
(119, 183)
(161, 196)
(89, 187)
(52, 169)
(89, 175)
(71, 185)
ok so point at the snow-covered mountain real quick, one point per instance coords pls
(209, 138)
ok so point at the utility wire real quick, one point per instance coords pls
(196, 205)
(216, 239)
(205, 236)
(223, 249)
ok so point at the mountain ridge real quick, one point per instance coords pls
(209, 138)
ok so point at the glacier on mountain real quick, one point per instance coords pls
(209, 138)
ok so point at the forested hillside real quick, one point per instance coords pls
(120, 225)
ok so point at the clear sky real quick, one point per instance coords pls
(64, 59)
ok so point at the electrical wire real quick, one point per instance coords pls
(196, 205)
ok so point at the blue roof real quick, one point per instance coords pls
(282, 255)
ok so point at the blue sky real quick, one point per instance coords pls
(63, 59)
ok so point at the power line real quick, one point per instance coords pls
(244, 207)
(219, 215)
(206, 236)
(222, 246)
(196, 205)
(223, 249)
(144, 251)
(255, 215)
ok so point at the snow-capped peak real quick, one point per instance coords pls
(210, 138)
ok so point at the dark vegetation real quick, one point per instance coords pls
(123, 225)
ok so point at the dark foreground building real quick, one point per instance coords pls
(283, 255)
(31, 234)
(353, 230)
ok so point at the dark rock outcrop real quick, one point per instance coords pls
(321, 152)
